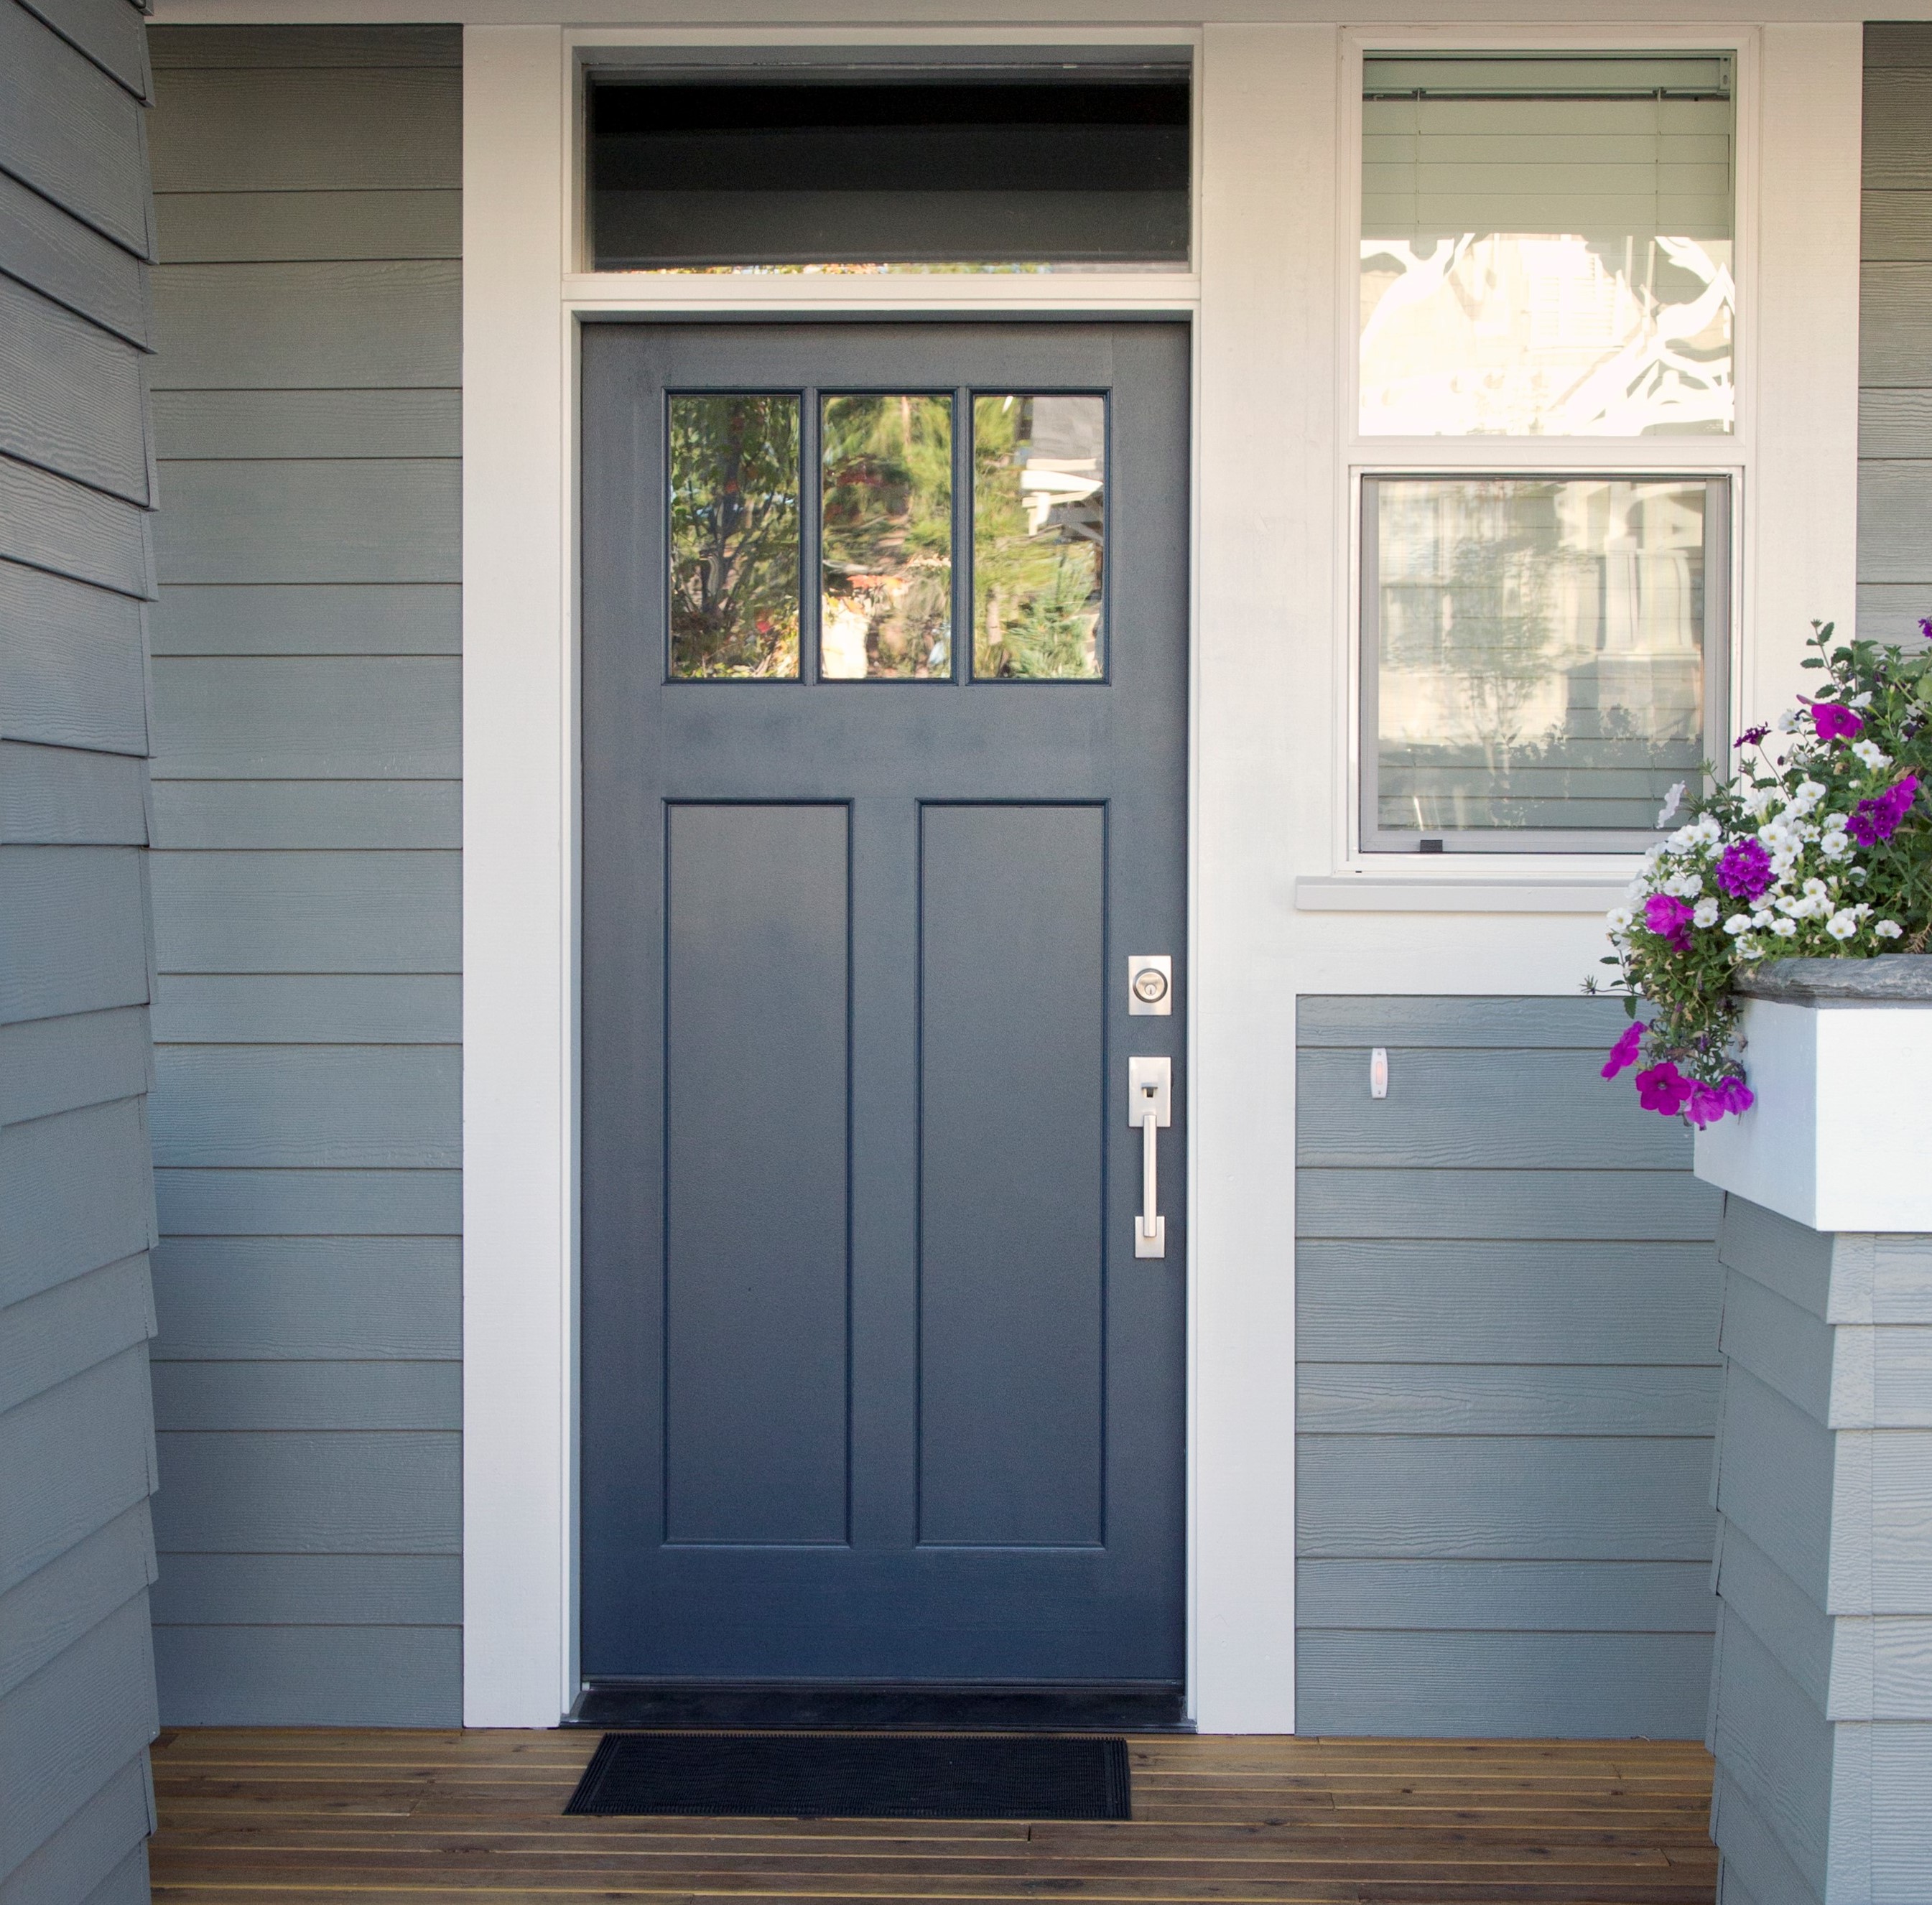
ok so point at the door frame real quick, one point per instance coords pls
(524, 307)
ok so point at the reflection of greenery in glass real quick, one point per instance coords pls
(734, 536)
(1540, 644)
(1038, 535)
(886, 560)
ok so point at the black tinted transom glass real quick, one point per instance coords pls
(914, 512)
(1079, 167)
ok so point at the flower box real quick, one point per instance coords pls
(1839, 1052)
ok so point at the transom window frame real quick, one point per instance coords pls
(1553, 855)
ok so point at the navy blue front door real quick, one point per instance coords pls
(884, 720)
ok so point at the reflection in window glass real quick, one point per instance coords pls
(1545, 245)
(886, 555)
(1538, 648)
(1039, 525)
(734, 553)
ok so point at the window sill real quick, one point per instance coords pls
(1370, 893)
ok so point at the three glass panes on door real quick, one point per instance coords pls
(925, 510)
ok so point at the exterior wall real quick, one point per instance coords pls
(306, 892)
(1895, 335)
(1821, 1713)
(76, 1197)
(1507, 1380)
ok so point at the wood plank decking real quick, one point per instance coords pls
(327, 1818)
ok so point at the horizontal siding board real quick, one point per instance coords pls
(1893, 43)
(310, 618)
(1424, 1302)
(71, 399)
(319, 522)
(1549, 1596)
(299, 1298)
(1511, 1686)
(99, 1422)
(211, 425)
(75, 674)
(1898, 105)
(66, 1732)
(71, 132)
(307, 912)
(1788, 1257)
(308, 1009)
(1894, 327)
(68, 797)
(345, 325)
(309, 1590)
(111, 33)
(1893, 424)
(393, 1107)
(1778, 1486)
(1894, 505)
(309, 1203)
(48, 1338)
(1896, 228)
(127, 1884)
(74, 1194)
(232, 814)
(86, 1852)
(1751, 1853)
(1896, 1520)
(50, 1066)
(310, 1677)
(1547, 1110)
(1505, 1400)
(1660, 1206)
(260, 1397)
(1588, 1025)
(1503, 1498)
(72, 263)
(383, 718)
(1783, 1617)
(261, 227)
(217, 48)
(53, 1608)
(50, 523)
(288, 129)
(396, 1492)
(1891, 611)
(1784, 1346)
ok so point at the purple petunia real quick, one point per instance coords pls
(1669, 919)
(1877, 819)
(1835, 723)
(1664, 1088)
(1744, 869)
(1624, 1052)
(1925, 627)
(1708, 1103)
(1752, 737)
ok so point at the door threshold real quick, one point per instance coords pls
(784, 1706)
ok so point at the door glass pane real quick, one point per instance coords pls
(734, 549)
(1545, 244)
(1539, 651)
(886, 549)
(1078, 165)
(1040, 536)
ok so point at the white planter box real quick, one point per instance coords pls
(1841, 1137)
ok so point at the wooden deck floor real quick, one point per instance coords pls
(425, 1818)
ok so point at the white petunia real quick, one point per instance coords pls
(1785, 928)
(1620, 919)
(1834, 845)
(1889, 929)
(1873, 756)
(1809, 794)
(1750, 949)
(1686, 885)
(1842, 925)
(1787, 722)
(1861, 700)
(1763, 918)
(1706, 913)
(1737, 923)
(1672, 800)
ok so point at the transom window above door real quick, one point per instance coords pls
(845, 535)
(1048, 159)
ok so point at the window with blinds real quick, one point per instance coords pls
(1546, 243)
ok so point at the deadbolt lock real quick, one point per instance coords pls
(1150, 985)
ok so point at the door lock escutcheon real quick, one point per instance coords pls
(1150, 985)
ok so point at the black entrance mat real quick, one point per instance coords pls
(856, 1776)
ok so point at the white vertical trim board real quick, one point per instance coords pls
(519, 1590)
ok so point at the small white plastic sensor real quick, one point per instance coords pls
(1378, 1072)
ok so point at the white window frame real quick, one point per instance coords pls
(1731, 457)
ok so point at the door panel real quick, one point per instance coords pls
(874, 1387)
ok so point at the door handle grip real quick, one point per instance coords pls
(1150, 1106)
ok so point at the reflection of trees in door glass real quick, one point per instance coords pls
(734, 553)
(1039, 521)
(886, 560)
